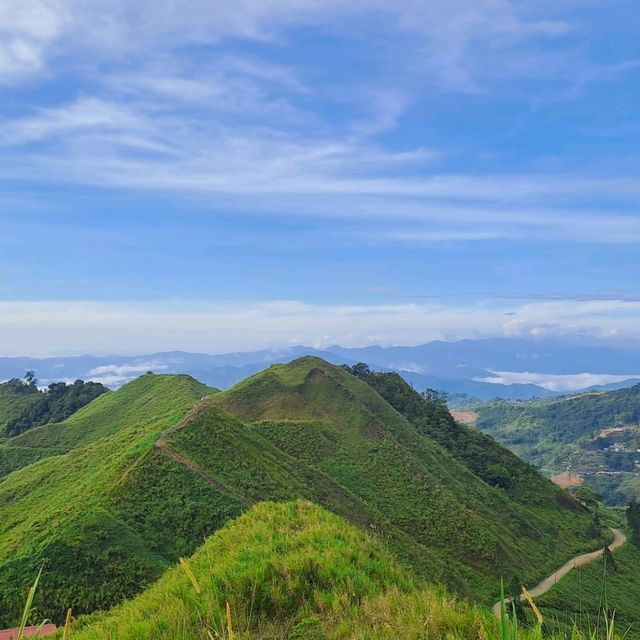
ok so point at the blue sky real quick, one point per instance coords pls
(213, 176)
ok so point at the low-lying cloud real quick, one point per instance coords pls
(557, 382)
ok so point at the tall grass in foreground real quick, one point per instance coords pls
(428, 614)
(292, 571)
(28, 610)
(510, 629)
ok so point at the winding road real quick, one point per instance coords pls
(619, 539)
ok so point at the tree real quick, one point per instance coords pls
(30, 378)
(437, 397)
(361, 370)
(633, 518)
(588, 497)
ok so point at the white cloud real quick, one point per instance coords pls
(150, 117)
(78, 327)
(28, 28)
(557, 382)
(31, 30)
(84, 115)
(123, 369)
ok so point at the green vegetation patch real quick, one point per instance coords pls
(289, 571)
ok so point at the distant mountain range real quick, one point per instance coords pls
(484, 369)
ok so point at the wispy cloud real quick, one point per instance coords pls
(151, 116)
(34, 30)
(123, 369)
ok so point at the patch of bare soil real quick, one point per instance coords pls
(567, 480)
(466, 417)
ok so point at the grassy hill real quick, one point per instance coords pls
(575, 432)
(490, 461)
(290, 571)
(341, 426)
(56, 512)
(143, 475)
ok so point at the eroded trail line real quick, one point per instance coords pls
(619, 539)
(164, 447)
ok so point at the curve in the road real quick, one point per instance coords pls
(619, 538)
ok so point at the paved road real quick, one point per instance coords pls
(619, 539)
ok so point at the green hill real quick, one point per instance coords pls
(143, 475)
(615, 585)
(136, 403)
(490, 461)
(596, 435)
(289, 571)
(341, 426)
(56, 512)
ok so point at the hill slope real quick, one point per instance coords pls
(291, 571)
(327, 418)
(55, 512)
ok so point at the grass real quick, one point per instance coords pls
(293, 571)
(588, 593)
(288, 570)
(56, 512)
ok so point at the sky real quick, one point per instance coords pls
(216, 176)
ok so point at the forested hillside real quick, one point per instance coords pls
(560, 420)
(15, 398)
(24, 406)
(596, 436)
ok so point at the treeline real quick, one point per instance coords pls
(428, 412)
(56, 403)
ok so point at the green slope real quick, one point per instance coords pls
(339, 425)
(55, 512)
(615, 587)
(490, 461)
(289, 570)
(148, 398)
(561, 420)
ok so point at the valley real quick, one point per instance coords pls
(590, 439)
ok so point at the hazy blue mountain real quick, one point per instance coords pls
(456, 367)
(458, 359)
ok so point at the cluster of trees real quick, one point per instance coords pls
(56, 403)
(633, 518)
(428, 412)
(563, 419)
(23, 387)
